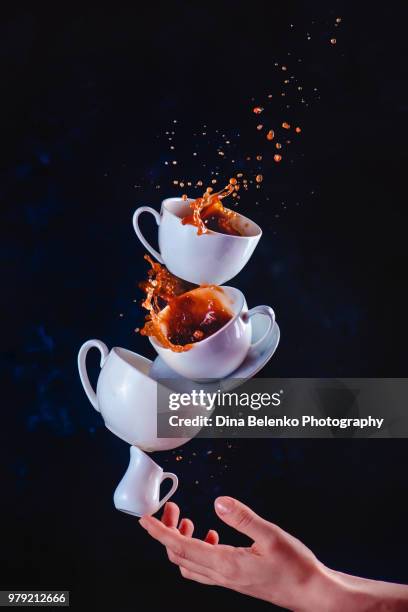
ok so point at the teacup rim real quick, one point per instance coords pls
(155, 343)
(258, 228)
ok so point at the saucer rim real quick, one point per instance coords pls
(263, 358)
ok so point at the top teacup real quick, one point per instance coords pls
(212, 258)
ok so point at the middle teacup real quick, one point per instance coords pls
(220, 354)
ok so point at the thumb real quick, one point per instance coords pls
(240, 517)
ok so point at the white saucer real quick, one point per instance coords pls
(256, 359)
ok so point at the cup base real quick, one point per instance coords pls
(128, 512)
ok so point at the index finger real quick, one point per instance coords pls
(192, 549)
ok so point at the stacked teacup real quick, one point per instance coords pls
(126, 393)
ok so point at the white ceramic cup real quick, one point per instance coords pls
(138, 492)
(125, 396)
(219, 355)
(210, 259)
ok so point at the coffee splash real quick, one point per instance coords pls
(160, 288)
(179, 313)
(210, 214)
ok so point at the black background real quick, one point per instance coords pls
(87, 96)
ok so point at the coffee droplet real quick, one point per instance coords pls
(278, 145)
(184, 197)
(270, 135)
(333, 41)
(259, 127)
(277, 157)
(298, 130)
(259, 157)
(233, 181)
(286, 125)
(259, 178)
(258, 110)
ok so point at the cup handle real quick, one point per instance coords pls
(139, 234)
(83, 374)
(267, 312)
(172, 477)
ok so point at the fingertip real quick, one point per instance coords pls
(186, 527)
(212, 537)
(171, 506)
(170, 515)
(223, 505)
(145, 521)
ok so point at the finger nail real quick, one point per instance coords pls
(224, 505)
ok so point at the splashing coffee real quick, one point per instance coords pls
(209, 213)
(179, 313)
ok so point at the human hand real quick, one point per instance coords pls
(277, 567)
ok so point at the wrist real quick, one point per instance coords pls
(325, 590)
(334, 591)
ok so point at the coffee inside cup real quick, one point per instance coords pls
(208, 213)
(179, 316)
(195, 315)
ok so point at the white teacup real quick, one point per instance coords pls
(126, 396)
(210, 259)
(219, 355)
(138, 492)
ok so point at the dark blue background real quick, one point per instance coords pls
(86, 100)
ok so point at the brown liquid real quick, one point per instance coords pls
(209, 213)
(195, 316)
(190, 316)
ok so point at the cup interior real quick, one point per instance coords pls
(180, 208)
(231, 298)
(177, 206)
(133, 359)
